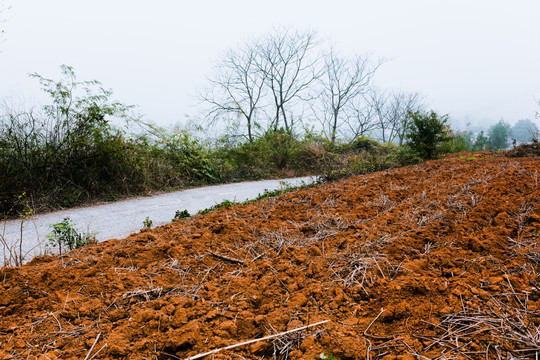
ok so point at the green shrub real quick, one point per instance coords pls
(357, 145)
(426, 133)
(405, 155)
(275, 153)
(181, 214)
(454, 144)
(64, 153)
(368, 157)
(193, 160)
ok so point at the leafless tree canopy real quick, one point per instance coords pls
(261, 81)
(361, 117)
(390, 112)
(265, 84)
(291, 68)
(237, 86)
(344, 80)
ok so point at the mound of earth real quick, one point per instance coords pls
(532, 149)
(439, 260)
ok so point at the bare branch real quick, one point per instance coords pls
(290, 70)
(390, 111)
(237, 87)
(344, 81)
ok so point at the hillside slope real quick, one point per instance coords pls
(437, 259)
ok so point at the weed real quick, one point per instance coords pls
(147, 223)
(64, 234)
(181, 214)
(284, 189)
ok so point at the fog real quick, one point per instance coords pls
(476, 61)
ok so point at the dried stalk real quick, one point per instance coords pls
(92, 348)
(504, 326)
(226, 258)
(280, 281)
(198, 356)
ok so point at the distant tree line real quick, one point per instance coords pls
(502, 135)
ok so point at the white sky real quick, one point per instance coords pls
(476, 58)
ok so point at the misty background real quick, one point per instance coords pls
(475, 61)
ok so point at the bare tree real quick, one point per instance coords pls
(237, 86)
(401, 104)
(361, 117)
(378, 103)
(290, 69)
(343, 80)
(391, 112)
(281, 73)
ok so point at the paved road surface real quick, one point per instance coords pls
(119, 219)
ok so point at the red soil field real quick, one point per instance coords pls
(439, 260)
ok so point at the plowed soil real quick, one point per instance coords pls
(440, 259)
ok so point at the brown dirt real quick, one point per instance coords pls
(437, 259)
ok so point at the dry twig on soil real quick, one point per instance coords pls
(198, 356)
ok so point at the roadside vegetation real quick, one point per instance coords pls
(69, 153)
(283, 106)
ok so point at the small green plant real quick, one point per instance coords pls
(64, 234)
(147, 223)
(334, 175)
(323, 356)
(181, 214)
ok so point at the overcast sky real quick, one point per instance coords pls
(475, 58)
